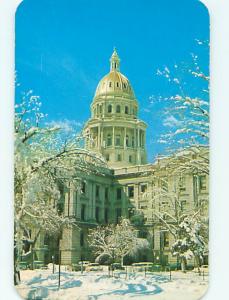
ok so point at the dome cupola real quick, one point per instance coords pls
(114, 83)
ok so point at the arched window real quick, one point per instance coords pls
(109, 141)
(109, 109)
(126, 110)
(118, 109)
(117, 84)
(110, 84)
(124, 85)
(127, 140)
(100, 108)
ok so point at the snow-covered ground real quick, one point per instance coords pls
(42, 284)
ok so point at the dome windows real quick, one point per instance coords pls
(118, 109)
(126, 110)
(110, 84)
(109, 108)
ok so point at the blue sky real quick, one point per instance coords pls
(63, 50)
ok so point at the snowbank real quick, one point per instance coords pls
(42, 284)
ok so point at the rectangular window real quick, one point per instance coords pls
(132, 141)
(106, 193)
(119, 157)
(182, 205)
(118, 214)
(107, 157)
(182, 184)
(118, 140)
(119, 193)
(130, 158)
(83, 208)
(97, 191)
(81, 239)
(109, 141)
(106, 215)
(203, 183)
(131, 191)
(143, 188)
(97, 214)
(83, 187)
(166, 239)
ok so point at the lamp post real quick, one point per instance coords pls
(112, 249)
(53, 267)
(59, 269)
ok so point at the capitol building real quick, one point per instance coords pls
(129, 186)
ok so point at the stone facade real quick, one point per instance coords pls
(128, 187)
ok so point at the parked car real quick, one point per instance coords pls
(93, 267)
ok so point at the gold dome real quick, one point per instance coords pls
(114, 83)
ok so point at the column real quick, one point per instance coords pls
(78, 204)
(138, 137)
(102, 143)
(135, 138)
(93, 200)
(138, 149)
(98, 138)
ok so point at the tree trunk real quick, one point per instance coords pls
(199, 263)
(183, 264)
(122, 258)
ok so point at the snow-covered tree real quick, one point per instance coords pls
(170, 212)
(190, 241)
(186, 135)
(46, 159)
(116, 241)
(186, 112)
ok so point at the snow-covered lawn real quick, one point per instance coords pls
(42, 284)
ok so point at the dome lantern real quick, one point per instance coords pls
(115, 61)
